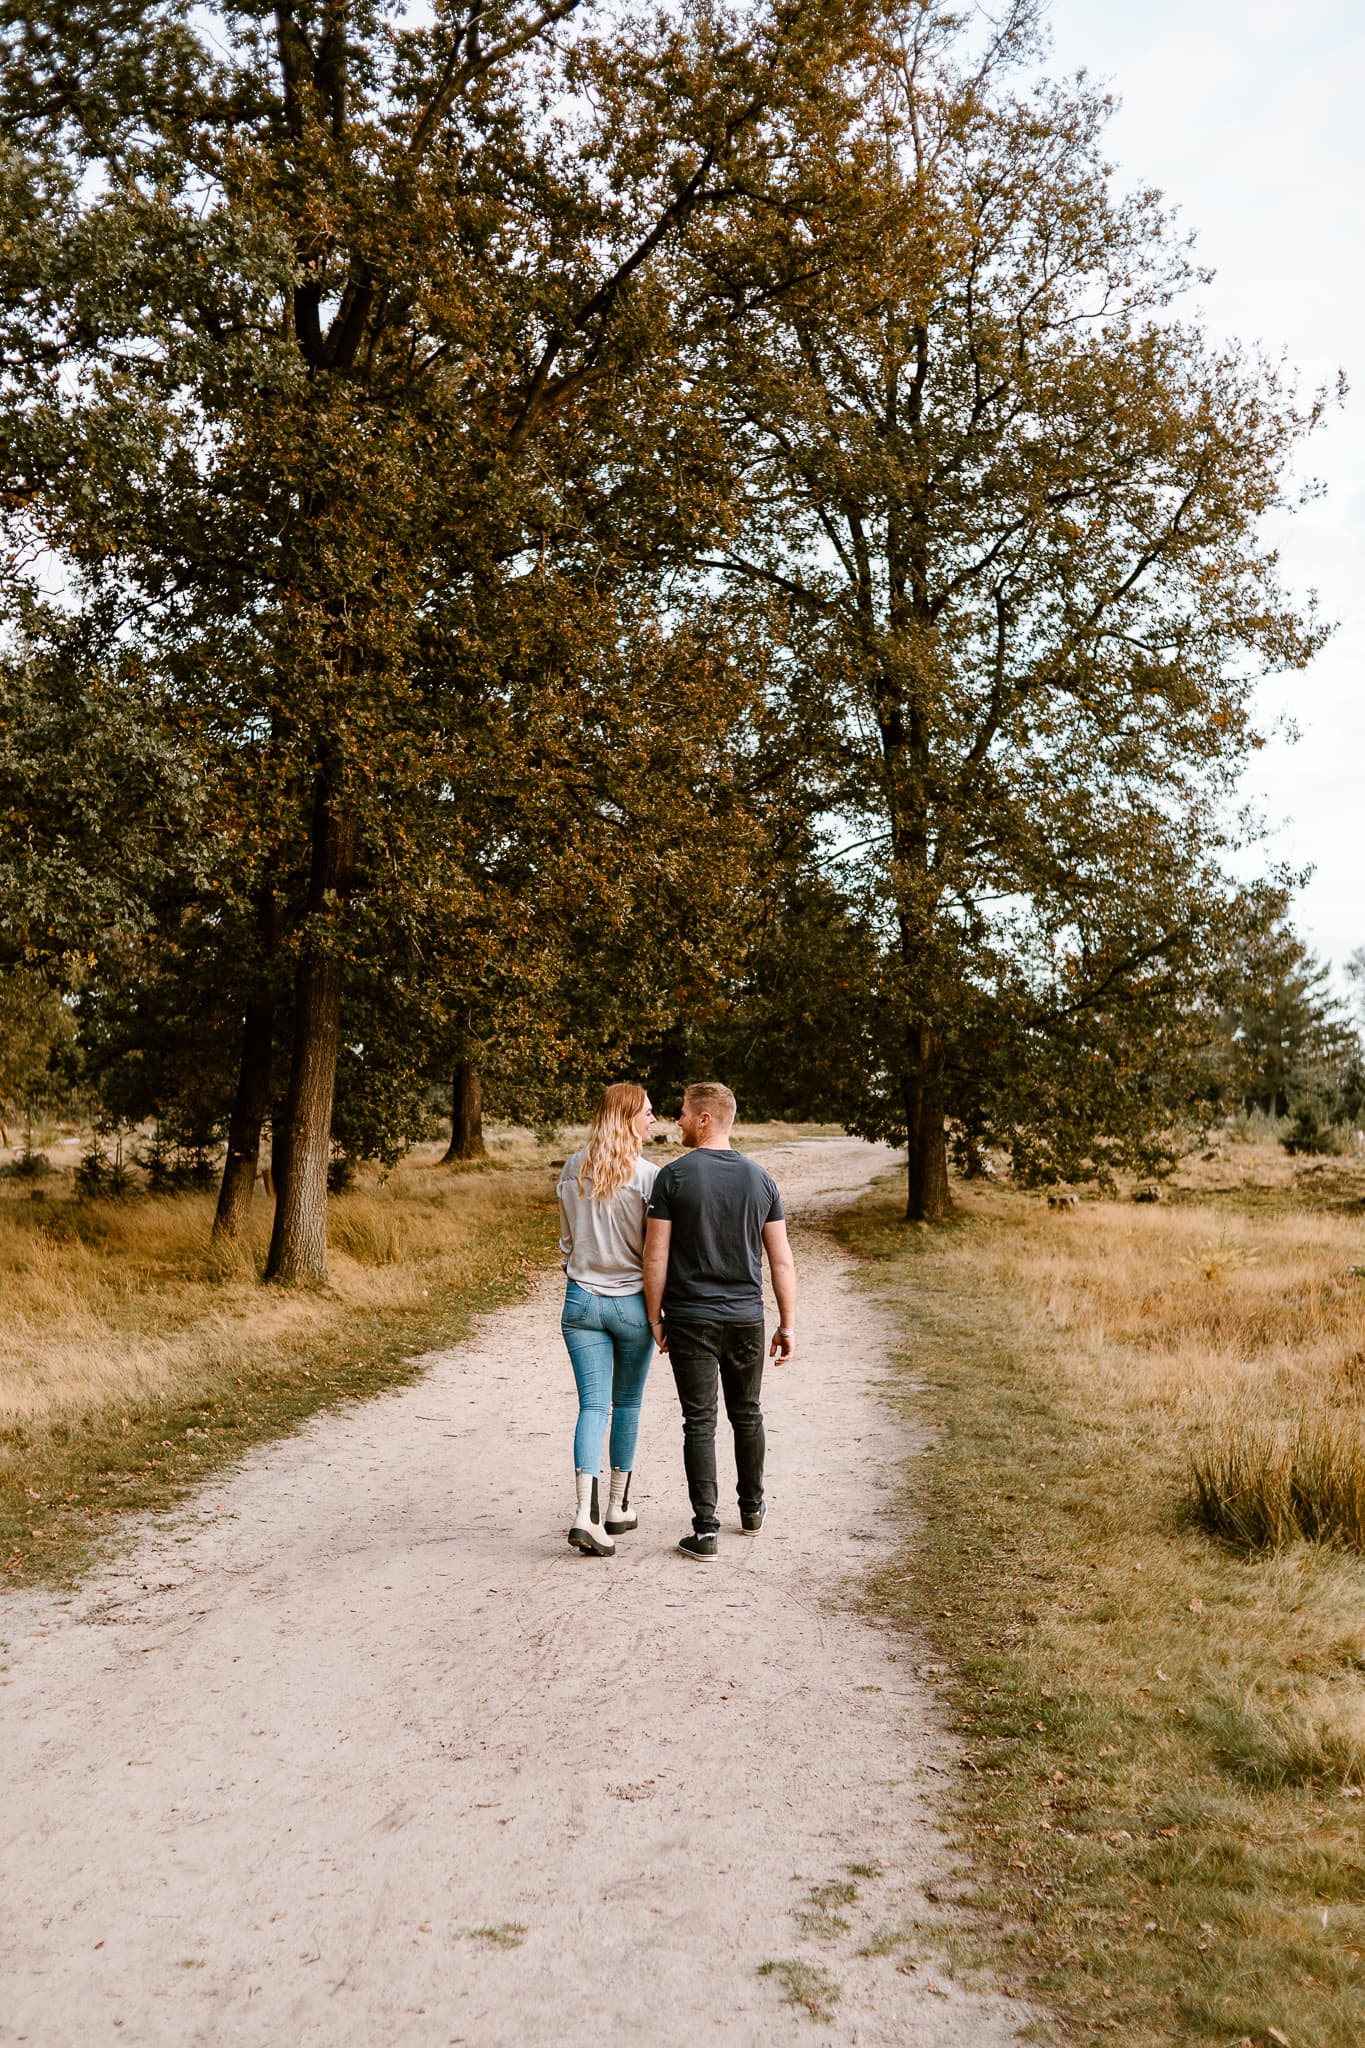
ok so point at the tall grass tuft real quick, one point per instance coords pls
(1262, 1487)
(368, 1229)
(1327, 1478)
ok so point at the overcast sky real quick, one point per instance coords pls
(1248, 115)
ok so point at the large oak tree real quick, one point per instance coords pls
(319, 316)
(1002, 523)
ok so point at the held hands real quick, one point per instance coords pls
(782, 1350)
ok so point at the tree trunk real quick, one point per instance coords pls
(298, 1242)
(244, 1127)
(466, 1114)
(927, 1199)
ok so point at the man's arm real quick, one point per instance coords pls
(658, 1231)
(782, 1267)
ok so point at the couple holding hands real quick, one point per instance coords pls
(669, 1257)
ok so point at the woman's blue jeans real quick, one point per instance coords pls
(610, 1345)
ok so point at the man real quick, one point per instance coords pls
(712, 1215)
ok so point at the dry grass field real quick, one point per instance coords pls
(135, 1359)
(1163, 1730)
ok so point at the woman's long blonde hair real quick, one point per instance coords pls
(613, 1148)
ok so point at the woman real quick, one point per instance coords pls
(604, 1192)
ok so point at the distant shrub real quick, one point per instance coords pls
(1309, 1131)
(1263, 1487)
(172, 1163)
(28, 1166)
(103, 1173)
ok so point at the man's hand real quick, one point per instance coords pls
(782, 1267)
(660, 1333)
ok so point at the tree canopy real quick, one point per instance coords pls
(538, 536)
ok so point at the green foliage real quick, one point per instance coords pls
(793, 1031)
(381, 1106)
(97, 796)
(36, 1032)
(103, 1173)
(172, 1160)
(1284, 1044)
(158, 1031)
(1312, 1128)
(583, 921)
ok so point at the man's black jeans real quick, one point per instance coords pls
(733, 1352)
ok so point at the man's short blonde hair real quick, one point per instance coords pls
(714, 1098)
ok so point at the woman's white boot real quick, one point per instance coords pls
(621, 1516)
(587, 1533)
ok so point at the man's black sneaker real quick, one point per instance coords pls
(699, 1545)
(753, 1519)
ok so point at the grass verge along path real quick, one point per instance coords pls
(135, 1361)
(1163, 1738)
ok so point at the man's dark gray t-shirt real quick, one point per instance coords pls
(717, 1202)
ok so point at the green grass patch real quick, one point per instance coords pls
(804, 1985)
(818, 1915)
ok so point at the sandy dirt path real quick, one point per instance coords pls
(266, 1777)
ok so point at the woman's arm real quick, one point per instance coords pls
(657, 1234)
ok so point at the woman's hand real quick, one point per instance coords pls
(660, 1335)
